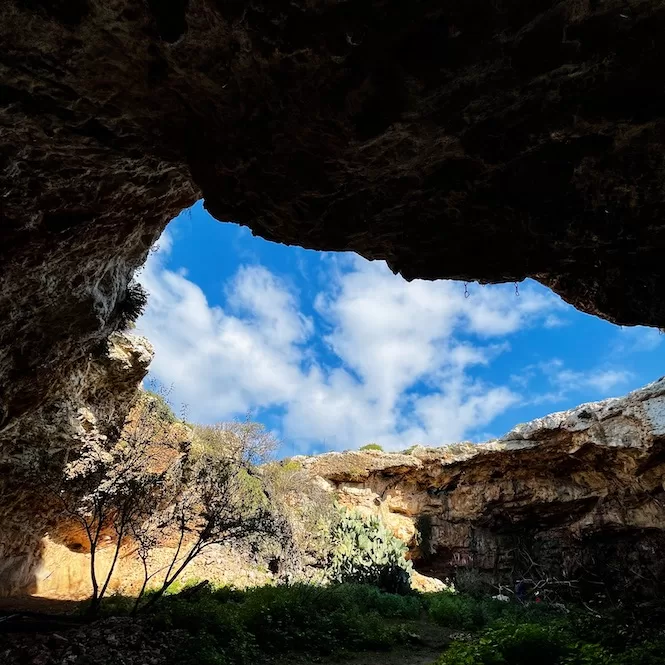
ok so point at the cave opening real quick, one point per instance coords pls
(480, 140)
(334, 351)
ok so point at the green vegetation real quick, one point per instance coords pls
(131, 306)
(372, 446)
(158, 403)
(226, 626)
(201, 486)
(364, 551)
(553, 643)
(516, 634)
(234, 627)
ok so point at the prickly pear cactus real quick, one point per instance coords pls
(365, 552)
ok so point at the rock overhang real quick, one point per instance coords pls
(480, 140)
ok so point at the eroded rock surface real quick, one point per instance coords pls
(93, 409)
(484, 139)
(577, 495)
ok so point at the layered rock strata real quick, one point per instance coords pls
(575, 496)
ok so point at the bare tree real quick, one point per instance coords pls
(162, 482)
(244, 441)
(110, 490)
(224, 500)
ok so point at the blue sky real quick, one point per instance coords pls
(332, 351)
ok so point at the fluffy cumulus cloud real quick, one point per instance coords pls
(376, 358)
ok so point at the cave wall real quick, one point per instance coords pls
(93, 408)
(479, 139)
(577, 495)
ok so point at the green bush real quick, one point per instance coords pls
(236, 627)
(469, 613)
(365, 552)
(227, 626)
(511, 643)
(372, 446)
(645, 654)
(549, 643)
(297, 617)
(220, 634)
(620, 628)
(472, 582)
(130, 306)
(157, 403)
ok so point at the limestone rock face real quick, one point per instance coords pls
(475, 139)
(577, 495)
(93, 408)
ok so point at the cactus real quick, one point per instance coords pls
(365, 552)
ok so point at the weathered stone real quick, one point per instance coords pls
(575, 495)
(93, 408)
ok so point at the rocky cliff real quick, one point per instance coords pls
(577, 496)
(475, 139)
(95, 404)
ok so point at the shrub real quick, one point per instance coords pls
(454, 611)
(220, 636)
(372, 446)
(511, 644)
(471, 582)
(470, 613)
(619, 628)
(515, 642)
(365, 552)
(157, 402)
(240, 625)
(131, 306)
(645, 654)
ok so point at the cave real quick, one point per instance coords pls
(485, 141)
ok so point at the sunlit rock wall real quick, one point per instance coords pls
(577, 495)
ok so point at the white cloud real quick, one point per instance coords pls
(564, 382)
(553, 321)
(220, 363)
(382, 359)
